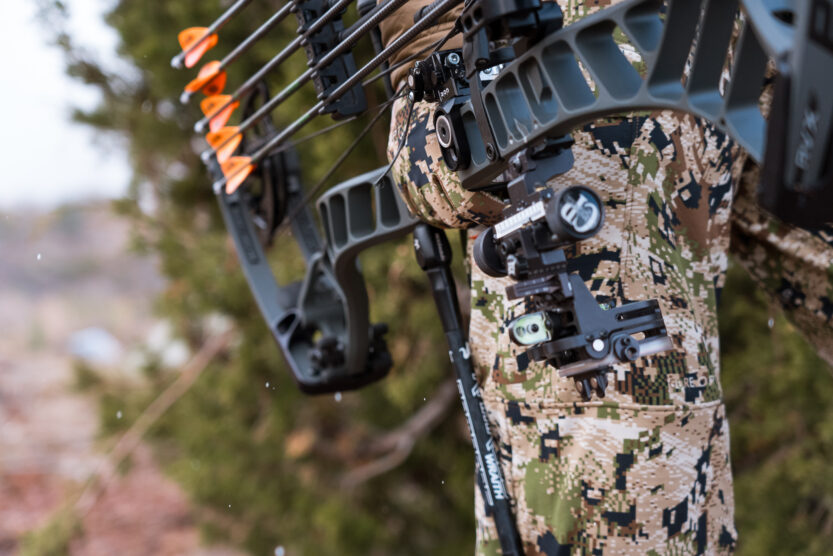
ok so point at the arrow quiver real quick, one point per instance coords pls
(321, 322)
(334, 74)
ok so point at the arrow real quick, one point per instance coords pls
(352, 35)
(280, 57)
(224, 142)
(437, 9)
(196, 41)
(236, 169)
(220, 107)
(218, 68)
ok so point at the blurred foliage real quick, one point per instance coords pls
(779, 394)
(265, 463)
(54, 537)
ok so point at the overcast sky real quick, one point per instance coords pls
(46, 158)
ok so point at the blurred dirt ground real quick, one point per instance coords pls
(64, 272)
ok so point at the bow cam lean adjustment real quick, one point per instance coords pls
(441, 79)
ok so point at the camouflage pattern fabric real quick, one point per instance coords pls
(429, 188)
(646, 470)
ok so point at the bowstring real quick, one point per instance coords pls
(402, 142)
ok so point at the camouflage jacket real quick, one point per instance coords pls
(646, 470)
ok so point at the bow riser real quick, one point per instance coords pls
(322, 322)
(543, 93)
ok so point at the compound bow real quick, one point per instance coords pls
(505, 104)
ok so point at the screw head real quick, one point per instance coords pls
(490, 151)
(598, 345)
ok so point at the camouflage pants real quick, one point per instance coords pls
(647, 469)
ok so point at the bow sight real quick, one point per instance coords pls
(566, 326)
(505, 105)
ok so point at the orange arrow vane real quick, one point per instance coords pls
(224, 142)
(236, 169)
(195, 42)
(219, 109)
(211, 80)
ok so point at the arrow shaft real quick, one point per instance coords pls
(270, 23)
(427, 20)
(213, 28)
(351, 37)
(279, 58)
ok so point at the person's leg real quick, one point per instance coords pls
(647, 468)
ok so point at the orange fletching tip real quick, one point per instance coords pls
(222, 117)
(188, 37)
(219, 108)
(215, 85)
(236, 169)
(210, 79)
(211, 104)
(227, 150)
(217, 138)
(194, 56)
